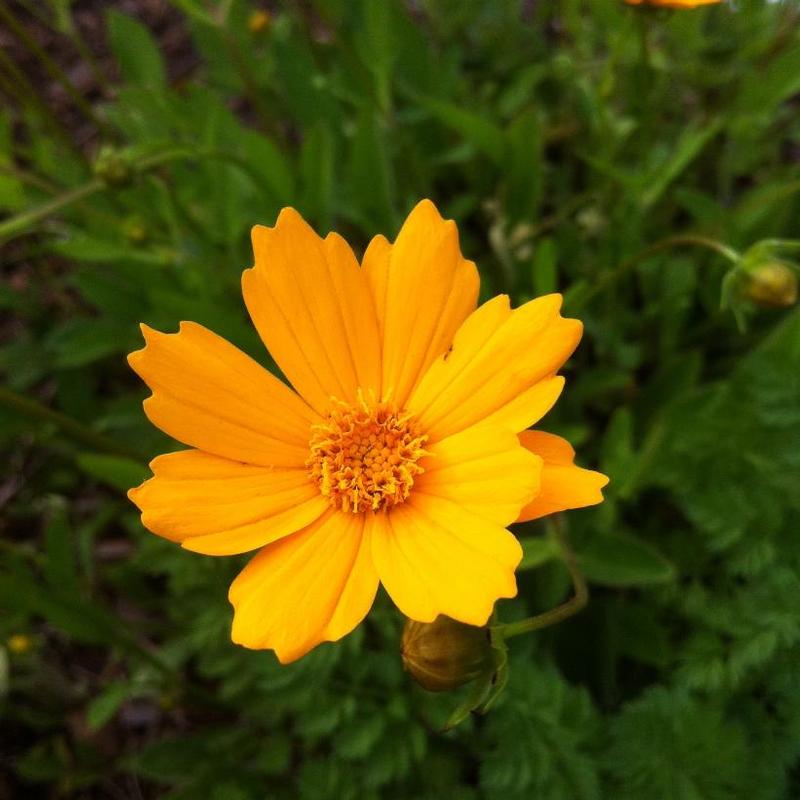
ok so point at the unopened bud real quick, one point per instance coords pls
(445, 654)
(113, 167)
(771, 284)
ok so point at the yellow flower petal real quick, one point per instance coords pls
(497, 355)
(423, 290)
(436, 557)
(312, 307)
(208, 394)
(314, 586)
(563, 484)
(219, 507)
(483, 469)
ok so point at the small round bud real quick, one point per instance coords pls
(113, 167)
(771, 284)
(445, 654)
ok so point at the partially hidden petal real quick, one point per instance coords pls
(210, 395)
(483, 469)
(312, 307)
(423, 289)
(436, 557)
(564, 485)
(314, 586)
(493, 371)
(218, 507)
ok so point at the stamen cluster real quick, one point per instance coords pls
(364, 457)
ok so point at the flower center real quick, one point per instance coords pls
(364, 457)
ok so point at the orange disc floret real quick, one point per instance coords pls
(365, 457)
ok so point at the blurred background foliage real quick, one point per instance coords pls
(140, 141)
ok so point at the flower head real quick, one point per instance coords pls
(400, 455)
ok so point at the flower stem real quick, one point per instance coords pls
(681, 240)
(26, 219)
(577, 602)
(77, 431)
(21, 222)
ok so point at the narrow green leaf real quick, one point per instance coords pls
(618, 560)
(118, 473)
(105, 705)
(136, 51)
(537, 551)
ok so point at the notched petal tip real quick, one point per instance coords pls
(133, 493)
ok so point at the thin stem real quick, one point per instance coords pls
(577, 602)
(681, 240)
(75, 430)
(38, 182)
(26, 219)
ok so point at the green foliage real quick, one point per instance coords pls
(567, 139)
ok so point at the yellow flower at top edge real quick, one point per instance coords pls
(674, 3)
(400, 455)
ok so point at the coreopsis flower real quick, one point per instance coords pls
(674, 3)
(400, 455)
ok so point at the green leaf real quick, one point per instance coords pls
(136, 52)
(317, 170)
(103, 707)
(618, 560)
(689, 145)
(118, 473)
(370, 175)
(545, 268)
(525, 168)
(537, 551)
(83, 341)
(60, 568)
(378, 44)
(475, 128)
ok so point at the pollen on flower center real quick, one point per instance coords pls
(364, 457)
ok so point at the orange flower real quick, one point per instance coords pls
(673, 3)
(396, 459)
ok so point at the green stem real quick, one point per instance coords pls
(33, 409)
(681, 240)
(577, 602)
(26, 219)
(21, 222)
(30, 178)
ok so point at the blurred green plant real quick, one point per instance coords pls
(631, 161)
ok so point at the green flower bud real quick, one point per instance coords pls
(445, 654)
(113, 167)
(771, 284)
